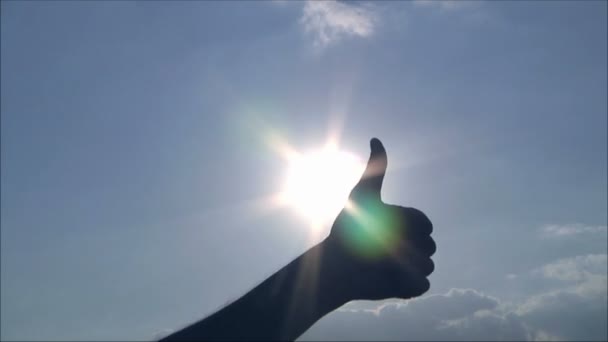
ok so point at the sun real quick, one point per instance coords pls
(317, 183)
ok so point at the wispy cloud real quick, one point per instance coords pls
(330, 21)
(556, 231)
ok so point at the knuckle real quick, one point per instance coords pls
(429, 268)
(418, 220)
(422, 245)
(432, 248)
(425, 285)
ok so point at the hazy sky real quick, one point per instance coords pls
(135, 142)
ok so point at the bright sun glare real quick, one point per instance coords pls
(318, 183)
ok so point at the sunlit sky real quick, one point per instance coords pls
(140, 144)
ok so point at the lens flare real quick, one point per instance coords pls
(318, 183)
(371, 229)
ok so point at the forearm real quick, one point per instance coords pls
(280, 308)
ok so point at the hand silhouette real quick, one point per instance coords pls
(383, 250)
(374, 251)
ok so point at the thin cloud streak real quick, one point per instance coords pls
(556, 231)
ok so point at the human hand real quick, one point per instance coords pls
(374, 251)
(379, 250)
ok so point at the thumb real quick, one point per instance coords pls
(370, 184)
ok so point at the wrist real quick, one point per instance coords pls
(333, 280)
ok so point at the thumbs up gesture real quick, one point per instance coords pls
(382, 250)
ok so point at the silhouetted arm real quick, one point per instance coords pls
(281, 308)
(374, 251)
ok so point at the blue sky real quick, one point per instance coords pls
(134, 142)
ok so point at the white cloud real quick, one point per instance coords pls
(331, 21)
(555, 230)
(577, 269)
(446, 5)
(567, 314)
(487, 325)
(575, 309)
(459, 314)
